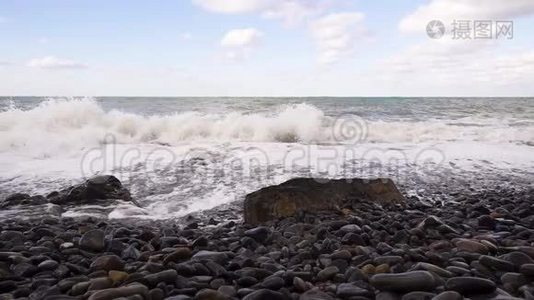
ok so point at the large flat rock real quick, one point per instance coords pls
(312, 195)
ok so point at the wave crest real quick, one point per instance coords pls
(73, 124)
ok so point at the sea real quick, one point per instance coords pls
(181, 155)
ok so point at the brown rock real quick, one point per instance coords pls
(383, 268)
(471, 246)
(311, 195)
(117, 276)
(107, 263)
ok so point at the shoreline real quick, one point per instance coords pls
(477, 246)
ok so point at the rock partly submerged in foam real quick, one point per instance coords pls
(312, 195)
(101, 189)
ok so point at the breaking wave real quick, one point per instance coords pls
(54, 125)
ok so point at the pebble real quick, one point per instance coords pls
(418, 295)
(208, 294)
(496, 263)
(123, 291)
(471, 246)
(264, 294)
(448, 295)
(470, 285)
(93, 240)
(273, 283)
(218, 257)
(315, 294)
(107, 263)
(527, 270)
(260, 233)
(384, 253)
(347, 290)
(327, 273)
(404, 282)
(48, 265)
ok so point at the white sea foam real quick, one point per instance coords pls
(45, 148)
(56, 126)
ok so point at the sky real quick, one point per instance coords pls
(265, 48)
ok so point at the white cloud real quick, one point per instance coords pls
(458, 66)
(233, 6)
(290, 12)
(449, 10)
(245, 37)
(336, 35)
(52, 62)
(239, 43)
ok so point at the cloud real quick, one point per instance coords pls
(239, 43)
(290, 12)
(52, 62)
(246, 37)
(233, 6)
(449, 10)
(337, 34)
(4, 63)
(452, 65)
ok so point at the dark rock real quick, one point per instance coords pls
(179, 254)
(527, 270)
(219, 257)
(309, 194)
(15, 237)
(100, 283)
(273, 283)
(347, 290)
(299, 284)
(470, 285)
(25, 270)
(246, 281)
(227, 290)
(352, 239)
(167, 276)
(327, 273)
(486, 221)
(512, 281)
(418, 295)
(435, 222)
(496, 263)
(433, 268)
(101, 187)
(404, 282)
(260, 233)
(93, 240)
(315, 294)
(14, 199)
(123, 291)
(208, 294)
(48, 265)
(7, 286)
(471, 246)
(264, 294)
(107, 263)
(448, 295)
(389, 259)
(341, 254)
(517, 258)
